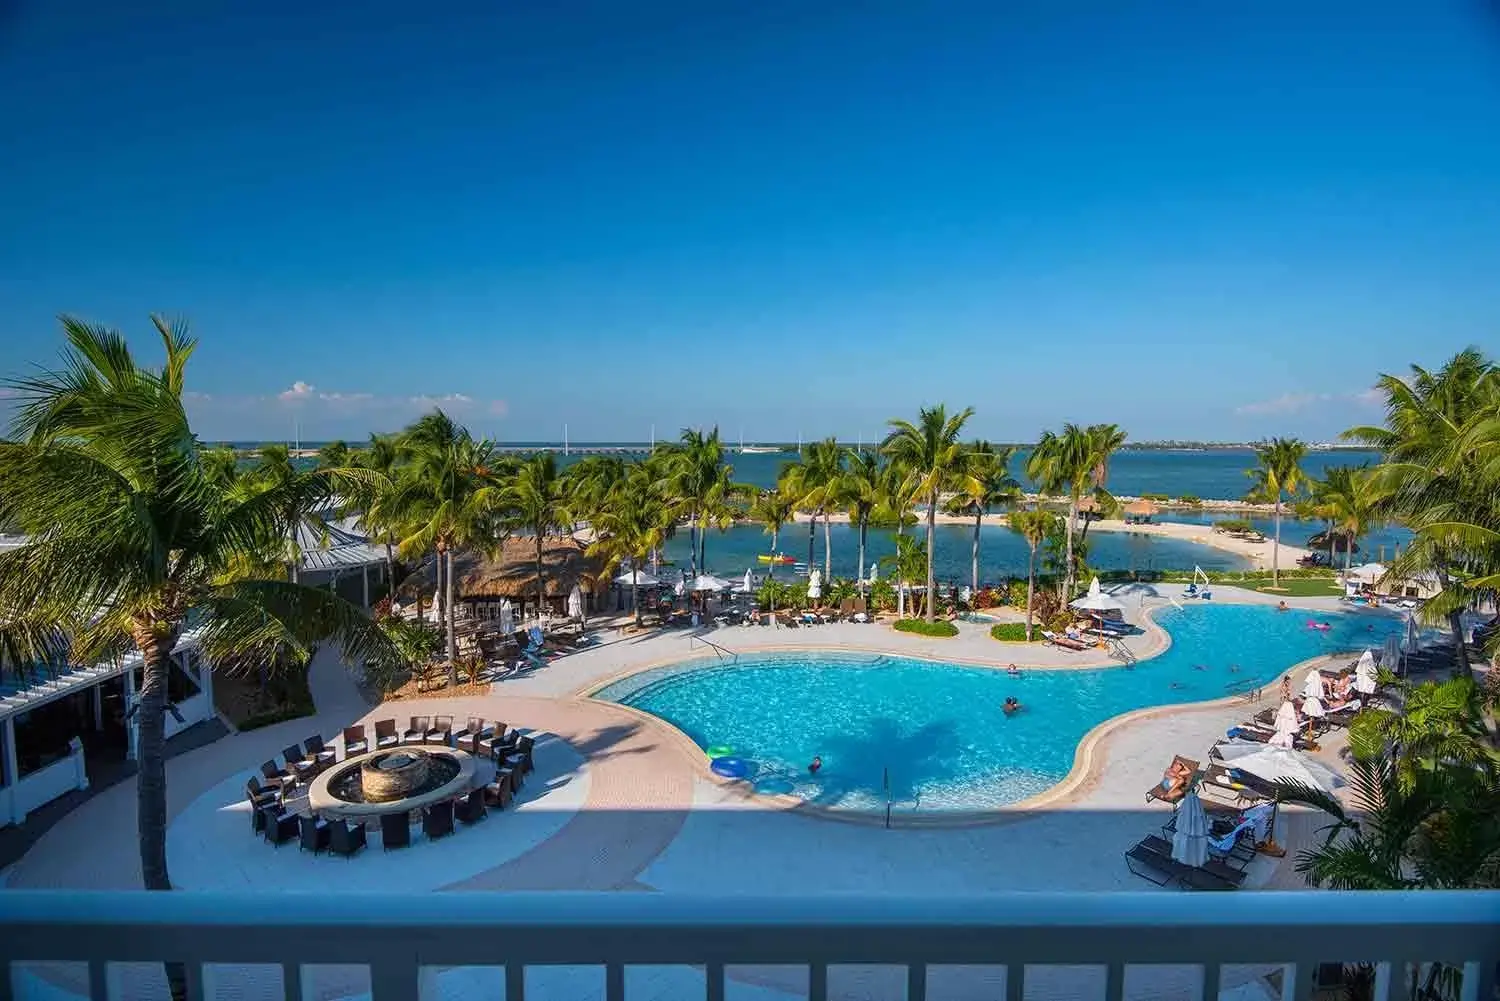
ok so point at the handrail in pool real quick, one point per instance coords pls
(724, 653)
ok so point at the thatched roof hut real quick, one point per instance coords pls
(1142, 508)
(1088, 505)
(513, 575)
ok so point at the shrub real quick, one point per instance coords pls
(924, 628)
(882, 595)
(1160, 498)
(1234, 525)
(1013, 632)
(1192, 499)
(985, 598)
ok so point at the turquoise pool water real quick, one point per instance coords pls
(937, 728)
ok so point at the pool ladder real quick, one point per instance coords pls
(724, 653)
(1119, 651)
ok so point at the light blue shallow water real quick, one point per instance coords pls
(938, 727)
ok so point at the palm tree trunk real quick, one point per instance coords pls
(863, 528)
(812, 539)
(1276, 546)
(1030, 588)
(390, 572)
(693, 545)
(1070, 576)
(974, 555)
(452, 621)
(635, 593)
(703, 548)
(541, 584)
(1461, 667)
(771, 571)
(155, 645)
(931, 536)
(827, 549)
(437, 595)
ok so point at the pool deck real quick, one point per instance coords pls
(621, 801)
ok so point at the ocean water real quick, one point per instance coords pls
(1002, 553)
(1378, 544)
(937, 730)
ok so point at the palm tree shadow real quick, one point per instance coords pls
(912, 758)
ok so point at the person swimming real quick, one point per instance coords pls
(1013, 671)
(1012, 705)
(816, 766)
(1282, 606)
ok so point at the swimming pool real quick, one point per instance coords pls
(937, 728)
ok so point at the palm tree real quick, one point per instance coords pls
(695, 481)
(448, 500)
(1034, 527)
(1279, 473)
(773, 508)
(128, 537)
(1439, 725)
(1064, 464)
(862, 492)
(382, 456)
(1104, 440)
(535, 501)
(591, 482)
(1440, 441)
(990, 483)
(1349, 499)
(934, 461)
(632, 523)
(335, 455)
(817, 481)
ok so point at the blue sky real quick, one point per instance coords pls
(1196, 220)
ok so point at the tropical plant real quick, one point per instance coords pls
(1034, 527)
(1349, 500)
(1103, 441)
(908, 562)
(922, 627)
(1072, 463)
(535, 501)
(1439, 725)
(934, 460)
(129, 538)
(1278, 473)
(773, 508)
(988, 484)
(700, 485)
(862, 492)
(335, 455)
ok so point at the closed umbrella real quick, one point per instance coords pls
(507, 618)
(575, 603)
(1364, 674)
(874, 571)
(1286, 726)
(1277, 764)
(814, 584)
(1190, 840)
(1312, 685)
(748, 586)
(1097, 601)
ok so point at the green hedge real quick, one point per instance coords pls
(1161, 498)
(924, 628)
(1014, 632)
(1190, 499)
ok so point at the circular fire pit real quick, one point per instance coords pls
(394, 780)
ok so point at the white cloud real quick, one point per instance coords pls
(447, 400)
(1294, 403)
(300, 391)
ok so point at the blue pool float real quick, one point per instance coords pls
(732, 768)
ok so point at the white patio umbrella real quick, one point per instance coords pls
(748, 585)
(1312, 685)
(680, 588)
(1277, 764)
(1286, 727)
(1366, 573)
(874, 571)
(814, 584)
(707, 582)
(575, 603)
(632, 577)
(507, 618)
(1364, 674)
(1097, 601)
(1190, 840)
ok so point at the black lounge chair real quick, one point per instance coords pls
(440, 731)
(322, 756)
(298, 763)
(471, 809)
(417, 732)
(469, 737)
(395, 830)
(345, 840)
(437, 820)
(279, 827)
(1149, 865)
(385, 734)
(314, 834)
(355, 741)
(1214, 867)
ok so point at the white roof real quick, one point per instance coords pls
(336, 546)
(19, 695)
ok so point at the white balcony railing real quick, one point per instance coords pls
(406, 941)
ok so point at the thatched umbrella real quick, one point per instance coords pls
(1334, 540)
(565, 565)
(1142, 509)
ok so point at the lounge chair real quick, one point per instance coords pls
(322, 756)
(440, 732)
(395, 831)
(314, 834)
(345, 840)
(1066, 642)
(417, 732)
(355, 741)
(470, 809)
(1213, 866)
(1148, 863)
(279, 827)
(386, 735)
(1159, 791)
(437, 820)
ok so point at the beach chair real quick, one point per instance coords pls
(1066, 642)
(1214, 867)
(1145, 861)
(1158, 792)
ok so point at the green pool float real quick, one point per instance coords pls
(720, 751)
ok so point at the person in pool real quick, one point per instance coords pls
(1012, 705)
(1013, 671)
(1282, 606)
(816, 766)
